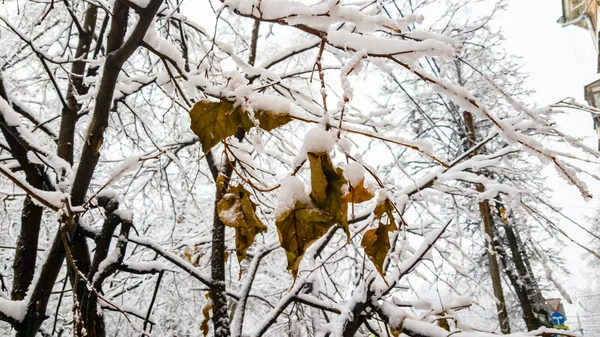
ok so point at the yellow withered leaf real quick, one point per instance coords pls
(327, 182)
(503, 214)
(386, 207)
(192, 255)
(376, 244)
(298, 228)
(269, 120)
(206, 314)
(187, 254)
(236, 210)
(443, 323)
(212, 122)
(229, 209)
(358, 194)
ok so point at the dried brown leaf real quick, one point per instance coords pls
(358, 194)
(443, 323)
(212, 122)
(327, 182)
(236, 210)
(376, 244)
(204, 324)
(386, 207)
(298, 228)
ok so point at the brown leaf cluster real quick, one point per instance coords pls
(213, 122)
(236, 210)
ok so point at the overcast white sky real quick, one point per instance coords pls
(561, 61)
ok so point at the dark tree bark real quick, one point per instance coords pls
(357, 320)
(527, 290)
(118, 53)
(218, 293)
(69, 112)
(41, 293)
(488, 224)
(31, 215)
(92, 321)
(26, 253)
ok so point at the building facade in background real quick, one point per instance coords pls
(584, 14)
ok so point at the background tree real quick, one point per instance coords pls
(454, 131)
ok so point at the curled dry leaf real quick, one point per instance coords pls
(385, 207)
(204, 324)
(269, 120)
(192, 255)
(358, 194)
(212, 122)
(443, 323)
(298, 228)
(376, 241)
(326, 183)
(376, 244)
(236, 210)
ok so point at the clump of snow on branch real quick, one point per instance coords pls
(318, 140)
(292, 190)
(354, 173)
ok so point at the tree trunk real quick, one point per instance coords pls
(117, 54)
(26, 253)
(484, 209)
(488, 223)
(43, 287)
(538, 315)
(31, 215)
(516, 265)
(515, 281)
(218, 295)
(69, 113)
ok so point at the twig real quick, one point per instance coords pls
(160, 275)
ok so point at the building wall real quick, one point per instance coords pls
(572, 9)
(593, 12)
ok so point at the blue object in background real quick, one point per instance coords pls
(557, 318)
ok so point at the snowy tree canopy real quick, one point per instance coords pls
(343, 151)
